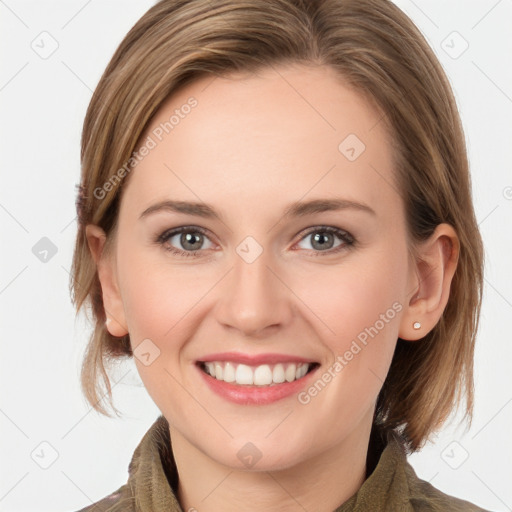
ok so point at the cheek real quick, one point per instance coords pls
(156, 296)
(152, 307)
(361, 306)
(158, 307)
(354, 297)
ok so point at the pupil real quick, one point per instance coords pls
(321, 238)
(187, 239)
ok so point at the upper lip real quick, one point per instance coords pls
(254, 359)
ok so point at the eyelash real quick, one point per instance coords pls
(347, 239)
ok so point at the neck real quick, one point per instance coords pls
(321, 483)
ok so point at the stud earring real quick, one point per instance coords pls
(416, 325)
(107, 321)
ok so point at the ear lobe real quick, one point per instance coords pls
(437, 259)
(105, 265)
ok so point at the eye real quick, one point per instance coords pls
(323, 240)
(191, 238)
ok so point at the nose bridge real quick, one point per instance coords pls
(254, 298)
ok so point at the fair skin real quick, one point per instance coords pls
(251, 147)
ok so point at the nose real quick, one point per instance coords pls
(255, 300)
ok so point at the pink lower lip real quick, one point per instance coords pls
(255, 395)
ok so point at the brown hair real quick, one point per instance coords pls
(377, 49)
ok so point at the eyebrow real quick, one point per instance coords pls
(297, 209)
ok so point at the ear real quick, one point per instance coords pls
(105, 265)
(429, 285)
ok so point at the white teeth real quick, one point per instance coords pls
(289, 374)
(229, 372)
(244, 374)
(263, 375)
(301, 371)
(219, 371)
(278, 374)
(210, 368)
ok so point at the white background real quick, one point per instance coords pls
(42, 106)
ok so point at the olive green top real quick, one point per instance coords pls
(391, 484)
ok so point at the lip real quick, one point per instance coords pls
(254, 360)
(256, 395)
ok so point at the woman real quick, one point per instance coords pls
(276, 223)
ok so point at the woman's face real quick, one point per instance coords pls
(260, 277)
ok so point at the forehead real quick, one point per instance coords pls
(277, 135)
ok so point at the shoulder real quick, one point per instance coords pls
(121, 500)
(410, 492)
(147, 481)
(424, 497)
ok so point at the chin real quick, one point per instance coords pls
(252, 459)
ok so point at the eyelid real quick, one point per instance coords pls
(180, 229)
(163, 238)
(347, 239)
(326, 229)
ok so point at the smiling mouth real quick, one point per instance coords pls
(261, 375)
